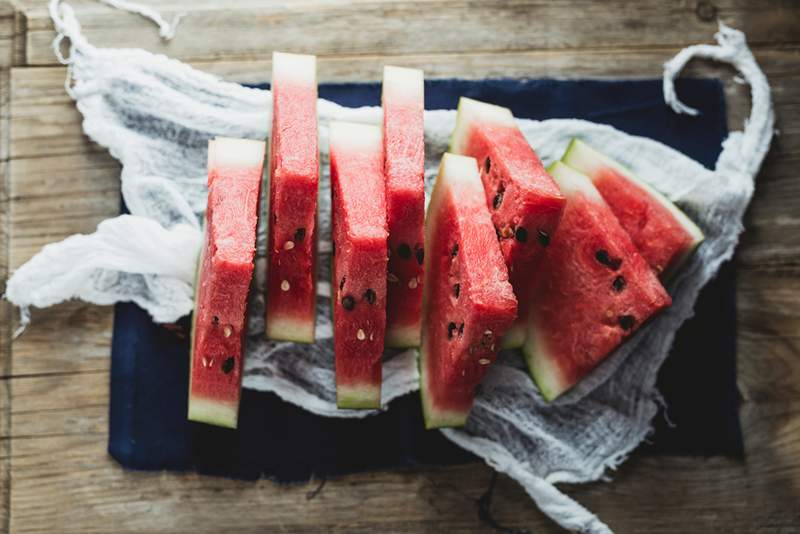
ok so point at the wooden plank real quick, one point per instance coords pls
(65, 483)
(413, 26)
(7, 33)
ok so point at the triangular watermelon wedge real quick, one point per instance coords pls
(225, 270)
(664, 235)
(358, 285)
(524, 202)
(594, 290)
(468, 303)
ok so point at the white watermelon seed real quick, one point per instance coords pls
(392, 278)
(361, 335)
(285, 285)
(227, 331)
(413, 283)
(484, 361)
(289, 245)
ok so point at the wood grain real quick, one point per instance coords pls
(55, 474)
(413, 26)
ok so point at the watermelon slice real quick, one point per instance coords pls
(404, 150)
(664, 235)
(468, 302)
(223, 280)
(594, 290)
(524, 201)
(358, 286)
(294, 179)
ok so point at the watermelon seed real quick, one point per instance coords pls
(392, 278)
(289, 245)
(371, 336)
(457, 290)
(507, 232)
(370, 296)
(348, 303)
(227, 331)
(626, 321)
(404, 250)
(412, 284)
(299, 234)
(341, 283)
(285, 285)
(361, 335)
(487, 165)
(521, 234)
(227, 365)
(215, 320)
(420, 255)
(618, 284)
(498, 198)
(454, 252)
(461, 329)
(451, 327)
(484, 361)
(544, 238)
(206, 363)
(603, 257)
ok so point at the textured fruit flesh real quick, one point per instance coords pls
(524, 201)
(595, 290)
(404, 152)
(662, 233)
(293, 184)
(358, 284)
(224, 273)
(468, 301)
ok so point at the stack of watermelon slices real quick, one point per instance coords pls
(566, 261)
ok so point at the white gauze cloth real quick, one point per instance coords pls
(156, 115)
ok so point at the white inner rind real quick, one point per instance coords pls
(353, 136)
(587, 160)
(297, 68)
(213, 412)
(471, 111)
(237, 153)
(572, 182)
(403, 83)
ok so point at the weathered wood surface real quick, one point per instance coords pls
(55, 474)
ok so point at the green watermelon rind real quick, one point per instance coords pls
(433, 417)
(544, 374)
(585, 159)
(470, 111)
(199, 409)
(358, 397)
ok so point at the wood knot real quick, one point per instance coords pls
(706, 11)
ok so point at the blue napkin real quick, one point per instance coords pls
(149, 369)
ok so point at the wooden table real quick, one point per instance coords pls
(55, 474)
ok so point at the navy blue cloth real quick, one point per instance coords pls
(150, 362)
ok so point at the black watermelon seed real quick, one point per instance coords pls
(348, 303)
(215, 320)
(404, 251)
(420, 255)
(457, 290)
(299, 234)
(487, 165)
(461, 329)
(497, 232)
(626, 321)
(544, 238)
(618, 284)
(521, 234)
(370, 296)
(451, 327)
(454, 252)
(227, 365)
(341, 283)
(603, 257)
(498, 200)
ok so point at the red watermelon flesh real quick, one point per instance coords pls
(664, 235)
(223, 281)
(468, 302)
(594, 290)
(358, 287)
(524, 201)
(404, 152)
(294, 179)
